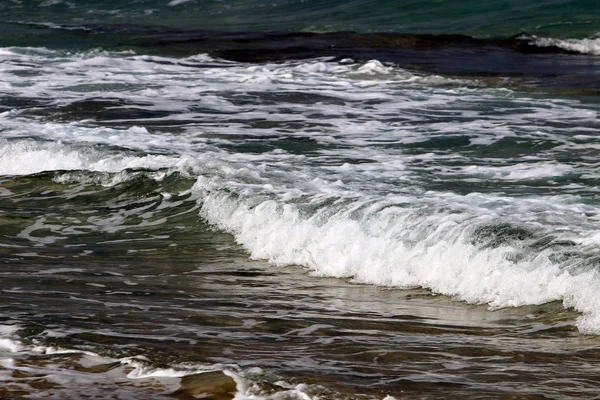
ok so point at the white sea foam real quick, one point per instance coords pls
(9, 345)
(405, 245)
(177, 2)
(23, 157)
(48, 3)
(7, 341)
(584, 46)
(374, 67)
(6, 52)
(520, 171)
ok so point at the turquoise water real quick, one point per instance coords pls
(560, 19)
(299, 200)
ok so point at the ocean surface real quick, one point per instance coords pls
(299, 199)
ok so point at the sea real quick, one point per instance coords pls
(299, 199)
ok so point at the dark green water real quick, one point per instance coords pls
(498, 18)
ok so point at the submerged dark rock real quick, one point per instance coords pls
(212, 385)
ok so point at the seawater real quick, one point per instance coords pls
(496, 18)
(223, 204)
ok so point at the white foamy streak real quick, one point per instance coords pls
(177, 2)
(7, 342)
(405, 243)
(583, 46)
(520, 171)
(24, 157)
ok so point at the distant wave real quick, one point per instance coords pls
(583, 46)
